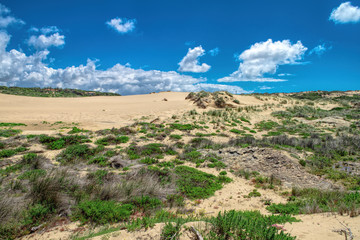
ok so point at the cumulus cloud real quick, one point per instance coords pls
(122, 25)
(345, 13)
(190, 63)
(18, 69)
(6, 20)
(43, 41)
(265, 58)
(214, 52)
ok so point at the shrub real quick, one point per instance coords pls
(54, 143)
(175, 136)
(196, 184)
(74, 153)
(9, 132)
(145, 203)
(36, 214)
(246, 225)
(112, 140)
(32, 174)
(237, 131)
(288, 208)
(101, 160)
(149, 160)
(102, 212)
(170, 231)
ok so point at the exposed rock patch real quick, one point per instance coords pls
(221, 99)
(270, 162)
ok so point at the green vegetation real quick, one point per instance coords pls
(112, 140)
(247, 225)
(196, 184)
(3, 124)
(309, 201)
(9, 132)
(61, 142)
(102, 212)
(74, 153)
(6, 153)
(52, 92)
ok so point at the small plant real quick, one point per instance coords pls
(75, 153)
(175, 136)
(102, 212)
(254, 193)
(149, 160)
(170, 231)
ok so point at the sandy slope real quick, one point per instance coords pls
(91, 112)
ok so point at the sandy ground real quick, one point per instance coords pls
(92, 113)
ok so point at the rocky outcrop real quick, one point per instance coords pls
(269, 162)
(221, 99)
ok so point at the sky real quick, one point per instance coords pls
(138, 47)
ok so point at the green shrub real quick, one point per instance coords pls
(32, 174)
(254, 193)
(9, 132)
(36, 215)
(102, 212)
(54, 143)
(146, 203)
(3, 124)
(288, 208)
(75, 130)
(302, 162)
(5, 153)
(237, 131)
(112, 140)
(149, 160)
(170, 231)
(99, 176)
(100, 160)
(196, 184)
(247, 225)
(75, 153)
(175, 136)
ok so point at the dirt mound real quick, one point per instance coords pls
(221, 99)
(270, 162)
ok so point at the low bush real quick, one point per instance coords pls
(74, 153)
(247, 225)
(196, 184)
(9, 132)
(102, 212)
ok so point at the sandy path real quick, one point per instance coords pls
(91, 112)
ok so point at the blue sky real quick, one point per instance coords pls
(136, 47)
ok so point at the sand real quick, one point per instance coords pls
(92, 113)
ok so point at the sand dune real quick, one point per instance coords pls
(91, 112)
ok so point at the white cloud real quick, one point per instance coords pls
(345, 13)
(319, 50)
(214, 52)
(265, 88)
(122, 25)
(43, 42)
(45, 30)
(190, 63)
(17, 69)
(265, 58)
(5, 20)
